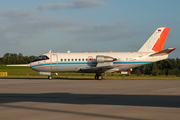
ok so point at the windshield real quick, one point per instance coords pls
(42, 57)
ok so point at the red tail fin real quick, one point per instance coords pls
(157, 40)
(161, 40)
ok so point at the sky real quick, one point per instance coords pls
(34, 27)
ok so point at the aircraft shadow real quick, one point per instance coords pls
(101, 99)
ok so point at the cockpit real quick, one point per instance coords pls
(41, 57)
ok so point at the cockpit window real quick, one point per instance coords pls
(42, 57)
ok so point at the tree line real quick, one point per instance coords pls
(164, 67)
(13, 58)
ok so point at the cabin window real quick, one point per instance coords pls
(61, 59)
(79, 59)
(82, 59)
(86, 59)
(72, 59)
(68, 59)
(64, 59)
(75, 59)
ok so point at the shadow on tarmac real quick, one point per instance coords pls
(101, 99)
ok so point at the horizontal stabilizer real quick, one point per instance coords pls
(164, 52)
(20, 65)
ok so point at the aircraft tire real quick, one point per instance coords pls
(50, 77)
(100, 77)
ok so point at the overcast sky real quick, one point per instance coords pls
(33, 27)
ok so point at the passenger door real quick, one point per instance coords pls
(54, 62)
(90, 60)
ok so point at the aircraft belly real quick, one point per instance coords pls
(42, 69)
(67, 69)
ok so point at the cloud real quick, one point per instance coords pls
(56, 6)
(29, 22)
(18, 25)
(77, 4)
(104, 32)
(16, 13)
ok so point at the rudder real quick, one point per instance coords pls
(157, 40)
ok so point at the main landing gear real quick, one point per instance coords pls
(98, 76)
(50, 77)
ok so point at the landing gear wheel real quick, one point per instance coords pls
(50, 77)
(100, 77)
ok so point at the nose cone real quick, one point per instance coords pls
(37, 66)
(33, 66)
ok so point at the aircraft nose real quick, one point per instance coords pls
(31, 65)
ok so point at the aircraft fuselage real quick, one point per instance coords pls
(74, 62)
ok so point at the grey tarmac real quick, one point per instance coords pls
(70, 99)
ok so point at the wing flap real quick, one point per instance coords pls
(163, 52)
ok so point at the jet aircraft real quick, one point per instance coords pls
(104, 62)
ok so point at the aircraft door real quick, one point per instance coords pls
(90, 60)
(54, 62)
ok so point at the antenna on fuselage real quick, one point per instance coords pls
(50, 51)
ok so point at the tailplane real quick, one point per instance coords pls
(157, 40)
(163, 52)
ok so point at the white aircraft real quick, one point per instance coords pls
(104, 62)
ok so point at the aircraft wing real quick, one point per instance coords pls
(100, 69)
(163, 52)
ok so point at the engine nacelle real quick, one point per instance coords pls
(102, 59)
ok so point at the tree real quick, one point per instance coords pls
(12, 58)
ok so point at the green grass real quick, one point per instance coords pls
(17, 70)
(21, 72)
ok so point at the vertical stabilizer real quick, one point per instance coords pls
(157, 40)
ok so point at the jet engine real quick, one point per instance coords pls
(102, 59)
